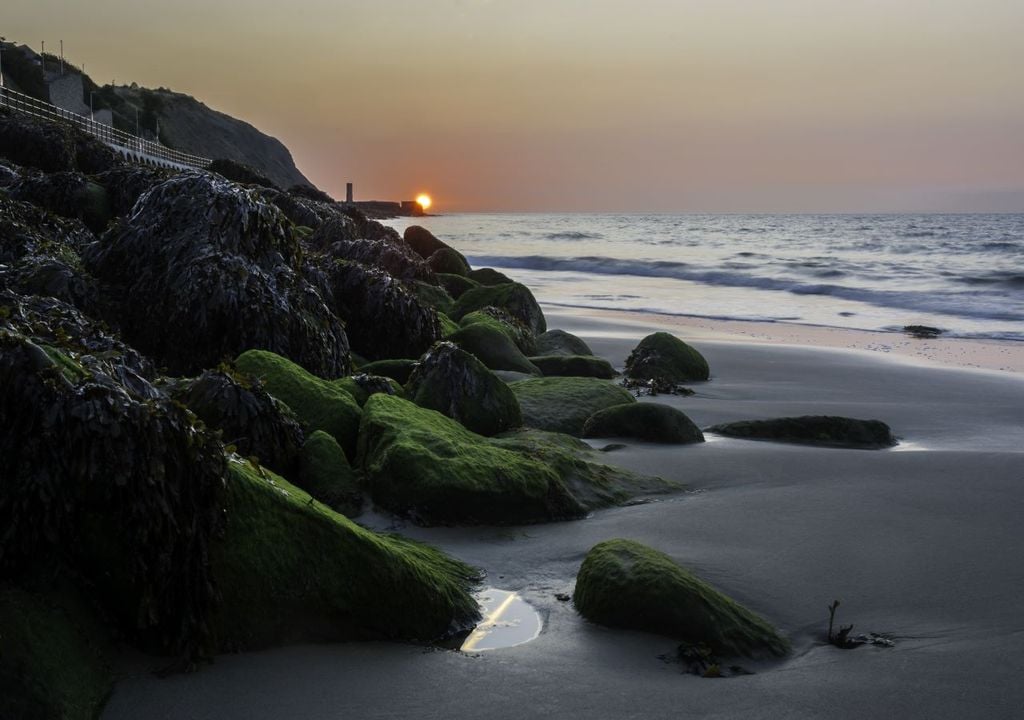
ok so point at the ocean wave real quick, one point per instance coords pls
(1007, 279)
(573, 235)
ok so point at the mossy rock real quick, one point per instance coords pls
(503, 321)
(563, 404)
(397, 370)
(823, 430)
(434, 296)
(318, 403)
(420, 463)
(455, 383)
(448, 326)
(291, 569)
(456, 285)
(666, 358)
(362, 386)
(560, 342)
(493, 348)
(645, 421)
(53, 656)
(575, 366)
(449, 261)
(488, 276)
(625, 584)
(325, 473)
(422, 241)
(513, 297)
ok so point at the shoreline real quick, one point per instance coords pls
(1004, 356)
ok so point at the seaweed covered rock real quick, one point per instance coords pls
(338, 237)
(448, 325)
(623, 583)
(67, 194)
(383, 319)
(574, 366)
(422, 241)
(493, 348)
(324, 472)
(455, 383)
(513, 297)
(448, 260)
(318, 404)
(433, 296)
(362, 385)
(290, 569)
(249, 418)
(645, 421)
(488, 276)
(420, 463)
(563, 404)
(666, 358)
(560, 342)
(204, 270)
(36, 143)
(823, 430)
(105, 474)
(125, 185)
(502, 320)
(53, 277)
(239, 172)
(399, 369)
(455, 284)
(26, 229)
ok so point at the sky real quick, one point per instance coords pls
(595, 105)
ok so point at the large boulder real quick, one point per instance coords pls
(513, 297)
(666, 358)
(574, 366)
(205, 270)
(560, 342)
(399, 369)
(502, 320)
(434, 296)
(68, 194)
(240, 173)
(362, 385)
(125, 185)
(455, 383)
(52, 147)
(317, 403)
(325, 473)
(422, 241)
(338, 237)
(456, 285)
(488, 276)
(493, 348)
(644, 421)
(450, 261)
(420, 463)
(563, 404)
(622, 583)
(823, 430)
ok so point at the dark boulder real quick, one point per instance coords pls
(362, 385)
(68, 194)
(455, 284)
(574, 366)
(563, 404)
(448, 260)
(824, 430)
(52, 147)
(399, 369)
(455, 383)
(493, 348)
(54, 277)
(125, 185)
(422, 241)
(489, 276)
(507, 324)
(239, 172)
(26, 229)
(559, 342)
(336, 237)
(651, 422)
(204, 271)
(666, 358)
(516, 299)
(324, 472)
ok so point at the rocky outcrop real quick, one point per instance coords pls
(823, 430)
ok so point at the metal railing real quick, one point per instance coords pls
(132, 146)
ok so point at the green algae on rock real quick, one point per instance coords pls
(574, 366)
(434, 296)
(319, 404)
(291, 569)
(652, 422)
(666, 358)
(493, 348)
(560, 342)
(362, 385)
(489, 276)
(512, 297)
(503, 321)
(324, 472)
(456, 285)
(563, 404)
(625, 584)
(449, 261)
(448, 326)
(455, 383)
(398, 369)
(420, 463)
(823, 430)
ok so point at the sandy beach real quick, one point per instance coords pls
(921, 542)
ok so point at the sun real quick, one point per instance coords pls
(424, 201)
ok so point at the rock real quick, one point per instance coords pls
(455, 284)
(824, 430)
(574, 365)
(398, 370)
(513, 297)
(28, 230)
(249, 418)
(239, 172)
(393, 256)
(52, 147)
(448, 326)
(420, 463)
(363, 385)
(67, 194)
(433, 296)
(455, 383)
(448, 260)
(309, 192)
(204, 270)
(300, 210)
(489, 276)
(922, 332)
(493, 348)
(290, 569)
(503, 321)
(559, 342)
(625, 584)
(317, 403)
(563, 404)
(8, 175)
(645, 421)
(324, 472)
(383, 319)
(125, 185)
(666, 358)
(52, 277)
(422, 241)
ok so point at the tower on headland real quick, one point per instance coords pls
(348, 193)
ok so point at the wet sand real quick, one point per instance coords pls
(922, 542)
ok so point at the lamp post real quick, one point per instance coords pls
(2, 63)
(92, 115)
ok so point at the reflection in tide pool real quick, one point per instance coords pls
(508, 620)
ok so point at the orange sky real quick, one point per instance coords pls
(589, 105)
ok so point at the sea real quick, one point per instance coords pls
(963, 274)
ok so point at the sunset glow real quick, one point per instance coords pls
(424, 201)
